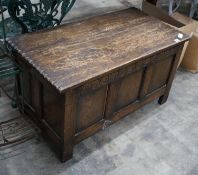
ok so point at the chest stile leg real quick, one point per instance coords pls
(68, 126)
(164, 97)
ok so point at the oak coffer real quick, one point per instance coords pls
(81, 77)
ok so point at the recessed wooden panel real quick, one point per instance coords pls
(124, 92)
(27, 84)
(128, 90)
(36, 98)
(90, 108)
(161, 70)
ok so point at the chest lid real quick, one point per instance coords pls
(72, 54)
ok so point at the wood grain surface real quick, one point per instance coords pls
(73, 54)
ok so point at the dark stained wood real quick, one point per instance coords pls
(161, 68)
(124, 92)
(69, 125)
(147, 75)
(164, 97)
(136, 105)
(87, 112)
(82, 77)
(70, 55)
(52, 109)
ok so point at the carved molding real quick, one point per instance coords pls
(133, 67)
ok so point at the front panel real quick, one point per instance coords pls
(123, 92)
(160, 74)
(90, 108)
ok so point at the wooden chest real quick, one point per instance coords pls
(81, 77)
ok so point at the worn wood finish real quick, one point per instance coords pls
(84, 76)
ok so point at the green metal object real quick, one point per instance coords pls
(7, 26)
(8, 68)
(30, 15)
(35, 16)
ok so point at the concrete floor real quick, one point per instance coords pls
(155, 140)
